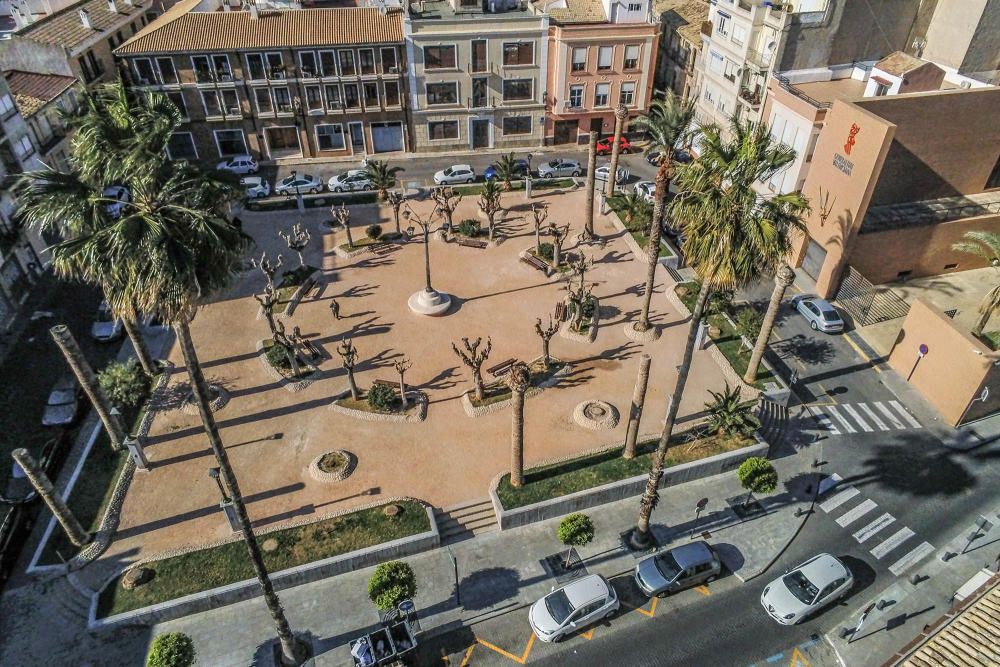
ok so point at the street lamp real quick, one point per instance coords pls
(226, 504)
(527, 179)
(298, 195)
(214, 474)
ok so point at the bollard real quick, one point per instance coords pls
(882, 604)
(915, 579)
(846, 632)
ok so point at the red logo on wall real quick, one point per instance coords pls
(850, 138)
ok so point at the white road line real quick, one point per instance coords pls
(906, 415)
(888, 413)
(856, 513)
(872, 528)
(911, 559)
(823, 421)
(836, 501)
(898, 538)
(857, 417)
(846, 424)
(878, 422)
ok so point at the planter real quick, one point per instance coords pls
(343, 472)
(289, 384)
(596, 415)
(590, 335)
(499, 406)
(416, 413)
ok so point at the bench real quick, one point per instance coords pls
(534, 262)
(470, 243)
(561, 311)
(501, 368)
(379, 248)
(386, 383)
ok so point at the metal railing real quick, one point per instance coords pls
(790, 87)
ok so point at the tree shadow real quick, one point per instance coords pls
(440, 381)
(915, 466)
(484, 589)
(809, 350)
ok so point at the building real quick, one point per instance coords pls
(963, 37)
(602, 53)
(683, 23)
(42, 99)
(477, 76)
(292, 83)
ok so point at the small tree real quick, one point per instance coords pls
(267, 303)
(401, 366)
(489, 204)
(342, 216)
(373, 232)
(729, 415)
(349, 356)
(392, 583)
(576, 530)
(382, 176)
(506, 168)
(473, 357)
(546, 333)
(447, 200)
(748, 322)
(395, 200)
(173, 649)
(125, 384)
(558, 235)
(538, 214)
(268, 268)
(757, 475)
(297, 241)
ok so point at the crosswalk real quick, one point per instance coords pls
(847, 418)
(875, 529)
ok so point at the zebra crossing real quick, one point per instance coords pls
(875, 529)
(845, 418)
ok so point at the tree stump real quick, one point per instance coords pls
(136, 577)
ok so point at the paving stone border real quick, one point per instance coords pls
(535, 390)
(418, 398)
(274, 374)
(591, 334)
(672, 261)
(648, 336)
(323, 476)
(190, 407)
(350, 254)
(608, 422)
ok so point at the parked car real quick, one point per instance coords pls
(120, 195)
(805, 590)
(601, 174)
(605, 145)
(559, 167)
(820, 313)
(63, 404)
(681, 156)
(520, 169)
(106, 327)
(256, 186)
(239, 164)
(646, 190)
(303, 183)
(576, 605)
(678, 568)
(349, 181)
(456, 173)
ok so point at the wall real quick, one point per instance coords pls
(950, 31)
(983, 57)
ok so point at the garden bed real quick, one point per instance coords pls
(416, 411)
(359, 245)
(307, 371)
(282, 202)
(497, 391)
(518, 186)
(638, 228)
(564, 258)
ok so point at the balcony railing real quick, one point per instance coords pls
(482, 102)
(750, 96)
(790, 87)
(762, 60)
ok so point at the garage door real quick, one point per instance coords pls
(814, 259)
(387, 137)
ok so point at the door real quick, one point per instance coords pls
(815, 257)
(357, 137)
(596, 125)
(283, 141)
(565, 132)
(480, 133)
(480, 92)
(386, 137)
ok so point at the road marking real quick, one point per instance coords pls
(703, 590)
(856, 513)
(775, 658)
(839, 499)
(874, 417)
(822, 420)
(857, 417)
(861, 353)
(872, 528)
(519, 660)
(911, 559)
(888, 413)
(906, 415)
(588, 635)
(468, 654)
(901, 536)
(645, 612)
(846, 424)
(798, 658)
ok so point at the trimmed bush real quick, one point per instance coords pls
(373, 231)
(546, 251)
(392, 583)
(469, 227)
(757, 475)
(174, 649)
(576, 530)
(381, 398)
(277, 355)
(125, 384)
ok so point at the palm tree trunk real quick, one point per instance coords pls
(427, 258)
(556, 252)
(88, 380)
(653, 250)
(395, 215)
(588, 227)
(139, 345)
(517, 441)
(984, 318)
(290, 648)
(635, 412)
(615, 150)
(33, 471)
(782, 279)
(640, 536)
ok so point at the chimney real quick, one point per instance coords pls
(129, 3)
(111, 7)
(251, 5)
(85, 19)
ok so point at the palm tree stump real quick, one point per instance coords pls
(588, 227)
(783, 278)
(635, 412)
(518, 379)
(621, 113)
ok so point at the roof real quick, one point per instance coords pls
(586, 589)
(930, 211)
(899, 63)
(695, 553)
(180, 30)
(686, 15)
(972, 638)
(32, 90)
(823, 570)
(64, 28)
(573, 11)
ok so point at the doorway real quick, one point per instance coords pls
(480, 133)
(596, 125)
(282, 141)
(815, 257)
(386, 137)
(565, 131)
(357, 137)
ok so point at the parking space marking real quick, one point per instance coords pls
(644, 612)
(872, 528)
(468, 654)
(588, 635)
(856, 513)
(519, 660)
(798, 658)
(703, 590)
(874, 364)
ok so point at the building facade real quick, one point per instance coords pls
(683, 22)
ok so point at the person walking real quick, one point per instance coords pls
(335, 309)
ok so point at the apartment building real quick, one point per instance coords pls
(290, 83)
(963, 37)
(477, 74)
(683, 23)
(602, 53)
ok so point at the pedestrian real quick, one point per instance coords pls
(335, 309)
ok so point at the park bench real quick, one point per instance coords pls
(533, 261)
(470, 243)
(386, 383)
(379, 248)
(561, 311)
(501, 368)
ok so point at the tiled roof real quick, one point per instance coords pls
(32, 90)
(573, 11)
(899, 63)
(65, 29)
(686, 15)
(184, 31)
(972, 639)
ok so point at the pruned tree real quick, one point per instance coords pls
(546, 333)
(267, 303)
(401, 366)
(267, 267)
(558, 235)
(578, 298)
(425, 227)
(395, 200)
(579, 267)
(446, 200)
(518, 378)
(474, 357)
(539, 213)
(490, 205)
(349, 356)
(342, 216)
(297, 240)
(291, 352)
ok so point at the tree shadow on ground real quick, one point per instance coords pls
(915, 465)
(484, 589)
(811, 351)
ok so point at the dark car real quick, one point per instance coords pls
(520, 169)
(678, 568)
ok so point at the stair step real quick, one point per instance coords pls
(466, 504)
(472, 513)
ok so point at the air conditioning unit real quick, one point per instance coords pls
(966, 84)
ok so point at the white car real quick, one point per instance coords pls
(646, 190)
(299, 184)
(559, 167)
(239, 164)
(574, 606)
(106, 328)
(63, 404)
(820, 314)
(805, 590)
(349, 181)
(256, 187)
(120, 195)
(457, 173)
(601, 174)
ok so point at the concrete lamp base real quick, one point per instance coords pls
(429, 302)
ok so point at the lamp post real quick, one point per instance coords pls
(299, 202)
(527, 179)
(226, 503)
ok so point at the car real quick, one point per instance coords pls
(106, 327)
(678, 568)
(63, 404)
(349, 181)
(256, 186)
(239, 164)
(820, 313)
(805, 590)
(456, 173)
(298, 184)
(120, 196)
(680, 156)
(601, 174)
(646, 190)
(564, 610)
(520, 169)
(559, 167)
(605, 145)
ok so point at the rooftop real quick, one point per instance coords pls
(573, 11)
(474, 10)
(969, 639)
(899, 63)
(930, 211)
(686, 15)
(32, 91)
(65, 28)
(828, 92)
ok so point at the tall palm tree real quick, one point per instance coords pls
(783, 278)
(987, 246)
(41, 483)
(733, 235)
(506, 168)
(621, 113)
(382, 176)
(669, 123)
(518, 379)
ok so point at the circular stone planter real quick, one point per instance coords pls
(337, 474)
(647, 336)
(596, 415)
(430, 302)
(190, 406)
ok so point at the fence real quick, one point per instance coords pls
(866, 303)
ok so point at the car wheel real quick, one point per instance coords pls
(313, 191)
(576, 172)
(338, 189)
(663, 594)
(610, 614)
(814, 326)
(260, 195)
(556, 639)
(470, 180)
(253, 171)
(711, 579)
(367, 187)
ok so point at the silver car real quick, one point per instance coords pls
(256, 186)
(106, 327)
(805, 590)
(601, 174)
(300, 183)
(239, 164)
(119, 196)
(559, 167)
(646, 190)
(820, 314)
(349, 181)
(574, 606)
(678, 568)
(456, 173)
(63, 404)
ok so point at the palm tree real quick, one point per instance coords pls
(40, 481)
(733, 235)
(669, 123)
(518, 379)
(630, 205)
(382, 176)
(987, 246)
(588, 225)
(730, 414)
(506, 168)
(621, 113)
(783, 278)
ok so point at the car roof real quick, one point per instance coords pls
(241, 156)
(251, 180)
(689, 555)
(822, 304)
(823, 570)
(461, 166)
(355, 172)
(586, 589)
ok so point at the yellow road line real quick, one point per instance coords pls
(862, 354)
(703, 590)
(519, 660)
(649, 612)
(588, 635)
(798, 659)
(468, 654)
(828, 394)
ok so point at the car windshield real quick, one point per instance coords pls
(559, 606)
(449, 171)
(103, 315)
(800, 586)
(667, 566)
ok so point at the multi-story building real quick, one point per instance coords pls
(477, 74)
(963, 37)
(683, 22)
(602, 53)
(290, 83)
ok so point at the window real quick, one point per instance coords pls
(370, 89)
(230, 142)
(202, 69)
(23, 147)
(210, 100)
(715, 61)
(389, 64)
(627, 94)
(601, 94)
(333, 102)
(994, 180)
(881, 89)
(181, 147)
(517, 89)
(739, 35)
(442, 93)
(517, 125)
(730, 69)
(178, 99)
(723, 24)
(631, 57)
(579, 59)
(143, 68)
(282, 100)
(479, 59)
(635, 7)
(352, 99)
(307, 61)
(90, 66)
(444, 129)
(221, 65)
(263, 97)
(390, 93)
(575, 97)
(518, 53)
(710, 96)
(439, 57)
(367, 61)
(330, 137)
(231, 103)
(605, 55)
(314, 98)
(328, 63)
(6, 105)
(265, 66)
(347, 66)
(168, 74)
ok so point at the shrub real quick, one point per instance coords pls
(381, 397)
(295, 277)
(576, 530)
(728, 414)
(373, 231)
(749, 321)
(277, 356)
(125, 384)
(719, 301)
(757, 475)
(392, 583)
(469, 227)
(174, 649)
(546, 251)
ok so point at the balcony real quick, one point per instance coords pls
(482, 102)
(759, 59)
(751, 97)
(47, 144)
